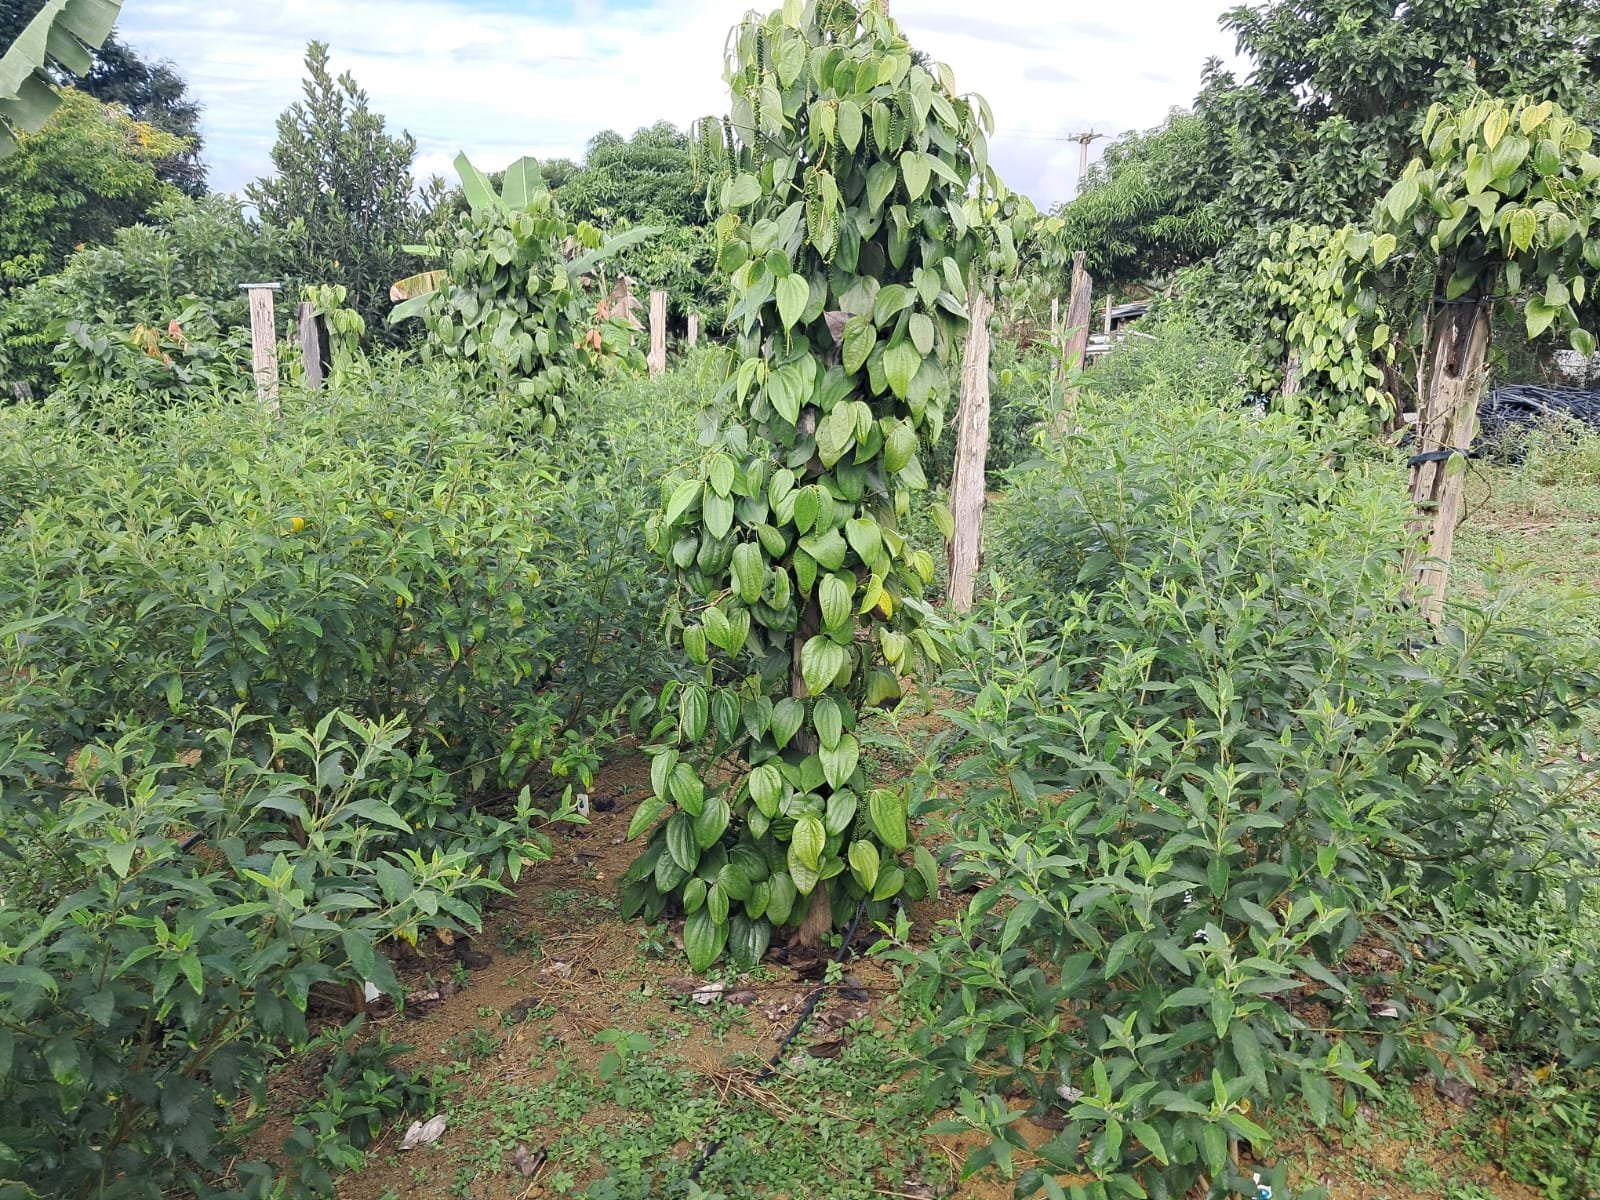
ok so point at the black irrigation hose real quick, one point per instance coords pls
(806, 1009)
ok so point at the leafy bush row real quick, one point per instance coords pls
(1244, 830)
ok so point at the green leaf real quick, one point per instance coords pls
(766, 786)
(793, 293)
(704, 938)
(809, 841)
(886, 809)
(712, 822)
(788, 715)
(914, 169)
(839, 764)
(685, 495)
(475, 185)
(749, 567)
(864, 863)
(900, 364)
(828, 721)
(922, 333)
(821, 661)
(740, 192)
(834, 596)
(864, 538)
(681, 842)
(645, 815)
(880, 182)
(523, 182)
(890, 301)
(860, 336)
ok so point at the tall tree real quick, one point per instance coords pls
(90, 171)
(344, 194)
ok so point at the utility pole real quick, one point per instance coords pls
(1083, 140)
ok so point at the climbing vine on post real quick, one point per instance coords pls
(1506, 197)
(511, 303)
(849, 177)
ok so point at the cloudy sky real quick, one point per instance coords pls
(503, 78)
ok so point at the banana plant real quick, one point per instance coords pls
(63, 33)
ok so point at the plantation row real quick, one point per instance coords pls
(1244, 830)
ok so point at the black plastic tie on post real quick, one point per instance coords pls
(1433, 456)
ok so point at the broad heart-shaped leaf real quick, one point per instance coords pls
(880, 182)
(841, 812)
(749, 571)
(1524, 228)
(860, 336)
(809, 840)
(703, 939)
(802, 877)
(684, 496)
(781, 894)
(850, 126)
(788, 715)
(793, 292)
(712, 822)
(766, 785)
(900, 447)
(886, 810)
(681, 843)
(748, 940)
(828, 721)
(719, 515)
(864, 538)
(740, 191)
(821, 660)
(645, 815)
(864, 863)
(839, 764)
(834, 596)
(900, 365)
(914, 169)
(922, 333)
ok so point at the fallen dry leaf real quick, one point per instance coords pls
(423, 1133)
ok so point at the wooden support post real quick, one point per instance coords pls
(1055, 337)
(21, 390)
(313, 346)
(1109, 306)
(1447, 421)
(658, 332)
(1080, 311)
(968, 489)
(694, 330)
(264, 343)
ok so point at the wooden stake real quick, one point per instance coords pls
(694, 330)
(1080, 311)
(264, 343)
(967, 486)
(313, 346)
(1447, 420)
(658, 332)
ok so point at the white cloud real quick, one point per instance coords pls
(499, 78)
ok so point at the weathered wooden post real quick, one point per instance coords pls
(21, 390)
(1080, 311)
(313, 346)
(694, 330)
(1055, 336)
(1447, 420)
(658, 332)
(264, 342)
(968, 489)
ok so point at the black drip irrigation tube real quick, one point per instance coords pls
(806, 1009)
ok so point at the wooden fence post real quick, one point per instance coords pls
(968, 489)
(694, 330)
(264, 343)
(313, 346)
(1080, 311)
(22, 390)
(1447, 420)
(1055, 335)
(658, 332)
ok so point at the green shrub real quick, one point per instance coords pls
(393, 547)
(1239, 819)
(186, 914)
